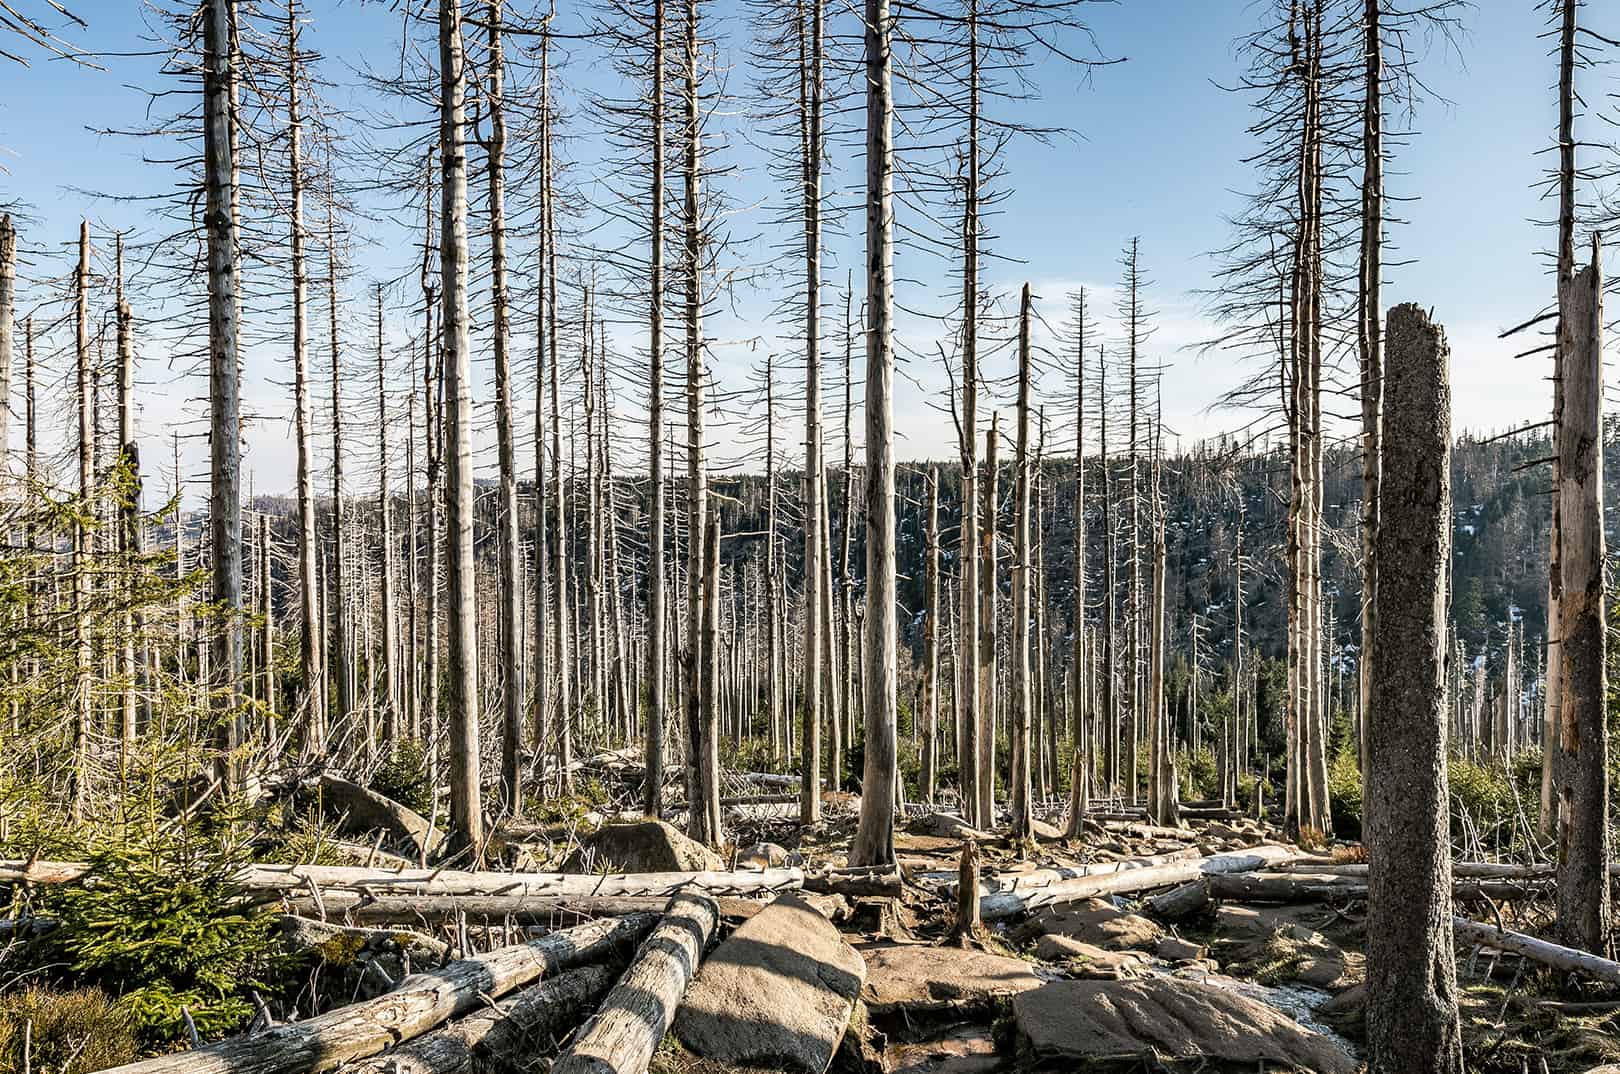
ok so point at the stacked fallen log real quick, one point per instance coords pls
(420, 1003)
(276, 879)
(364, 908)
(1005, 904)
(1272, 887)
(624, 1033)
(1548, 954)
(503, 1036)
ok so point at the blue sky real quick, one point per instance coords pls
(1160, 156)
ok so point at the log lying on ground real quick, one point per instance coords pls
(367, 909)
(506, 1036)
(1040, 879)
(862, 880)
(279, 878)
(1269, 887)
(420, 1003)
(622, 1036)
(1476, 870)
(1548, 954)
(1002, 905)
(302, 933)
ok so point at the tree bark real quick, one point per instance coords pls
(466, 807)
(1582, 746)
(1412, 1022)
(1023, 817)
(874, 838)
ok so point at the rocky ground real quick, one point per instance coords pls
(879, 983)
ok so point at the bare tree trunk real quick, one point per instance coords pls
(1582, 766)
(385, 513)
(310, 650)
(702, 715)
(339, 606)
(1369, 323)
(969, 680)
(510, 577)
(653, 793)
(705, 747)
(1412, 1023)
(8, 314)
(985, 762)
(466, 808)
(1553, 725)
(1023, 817)
(874, 838)
(225, 507)
(815, 534)
(83, 656)
(129, 504)
(560, 576)
(931, 612)
(1080, 727)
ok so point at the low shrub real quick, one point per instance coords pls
(64, 1032)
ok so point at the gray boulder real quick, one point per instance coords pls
(779, 992)
(647, 846)
(1085, 1023)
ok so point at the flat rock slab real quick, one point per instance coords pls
(1094, 921)
(1127, 1022)
(779, 992)
(915, 978)
(966, 1049)
(1088, 960)
(648, 846)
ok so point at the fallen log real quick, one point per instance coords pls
(1188, 900)
(622, 1036)
(279, 878)
(1004, 904)
(1478, 870)
(1323, 887)
(1548, 954)
(1040, 879)
(877, 880)
(506, 1036)
(366, 909)
(422, 1002)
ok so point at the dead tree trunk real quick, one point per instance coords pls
(1582, 745)
(225, 501)
(874, 839)
(653, 792)
(1412, 1023)
(931, 610)
(990, 497)
(83, 657)
(385, 512)
(128, 486)
(1023, 817)
(815, 479)
(8, 314)
(510, 582)
(466, 807)
(310, 650)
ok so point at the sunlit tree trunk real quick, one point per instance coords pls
(466, 808)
